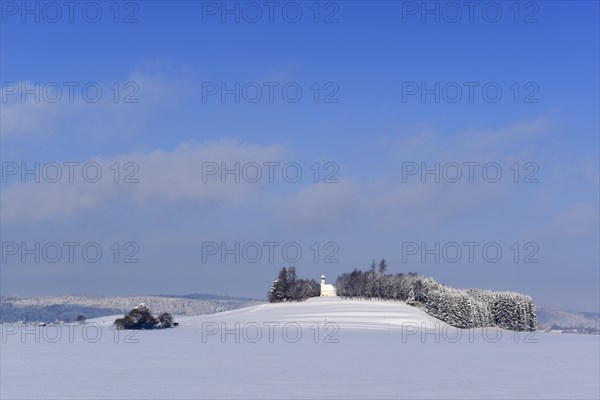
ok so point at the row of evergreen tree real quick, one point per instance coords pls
(287, 287)
(463, 308)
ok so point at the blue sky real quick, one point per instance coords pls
(365, 58)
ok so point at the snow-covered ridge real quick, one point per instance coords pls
(67, 308)
(549, 318)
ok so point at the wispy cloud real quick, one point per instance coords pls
(163, 177)
(121, 108)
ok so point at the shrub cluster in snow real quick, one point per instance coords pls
(463, 308)
(140, 318)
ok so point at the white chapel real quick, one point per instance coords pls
(327, 290)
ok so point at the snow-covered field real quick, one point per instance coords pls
(321, 348)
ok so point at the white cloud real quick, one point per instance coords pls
(164, 177)
(34, 119)
(139, 96)
(501, 138)
(578, 220)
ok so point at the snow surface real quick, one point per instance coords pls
(364, 349)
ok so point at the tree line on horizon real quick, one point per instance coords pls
(462, 308)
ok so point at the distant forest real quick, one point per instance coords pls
(68, 308)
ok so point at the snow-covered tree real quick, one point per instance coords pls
(291, 288)
(464, 308)
(279, 287)
(287, 287)
(140, 318)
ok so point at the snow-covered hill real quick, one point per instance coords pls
(67, 308)
(549, 318)
(346, 314)
(322, 348)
